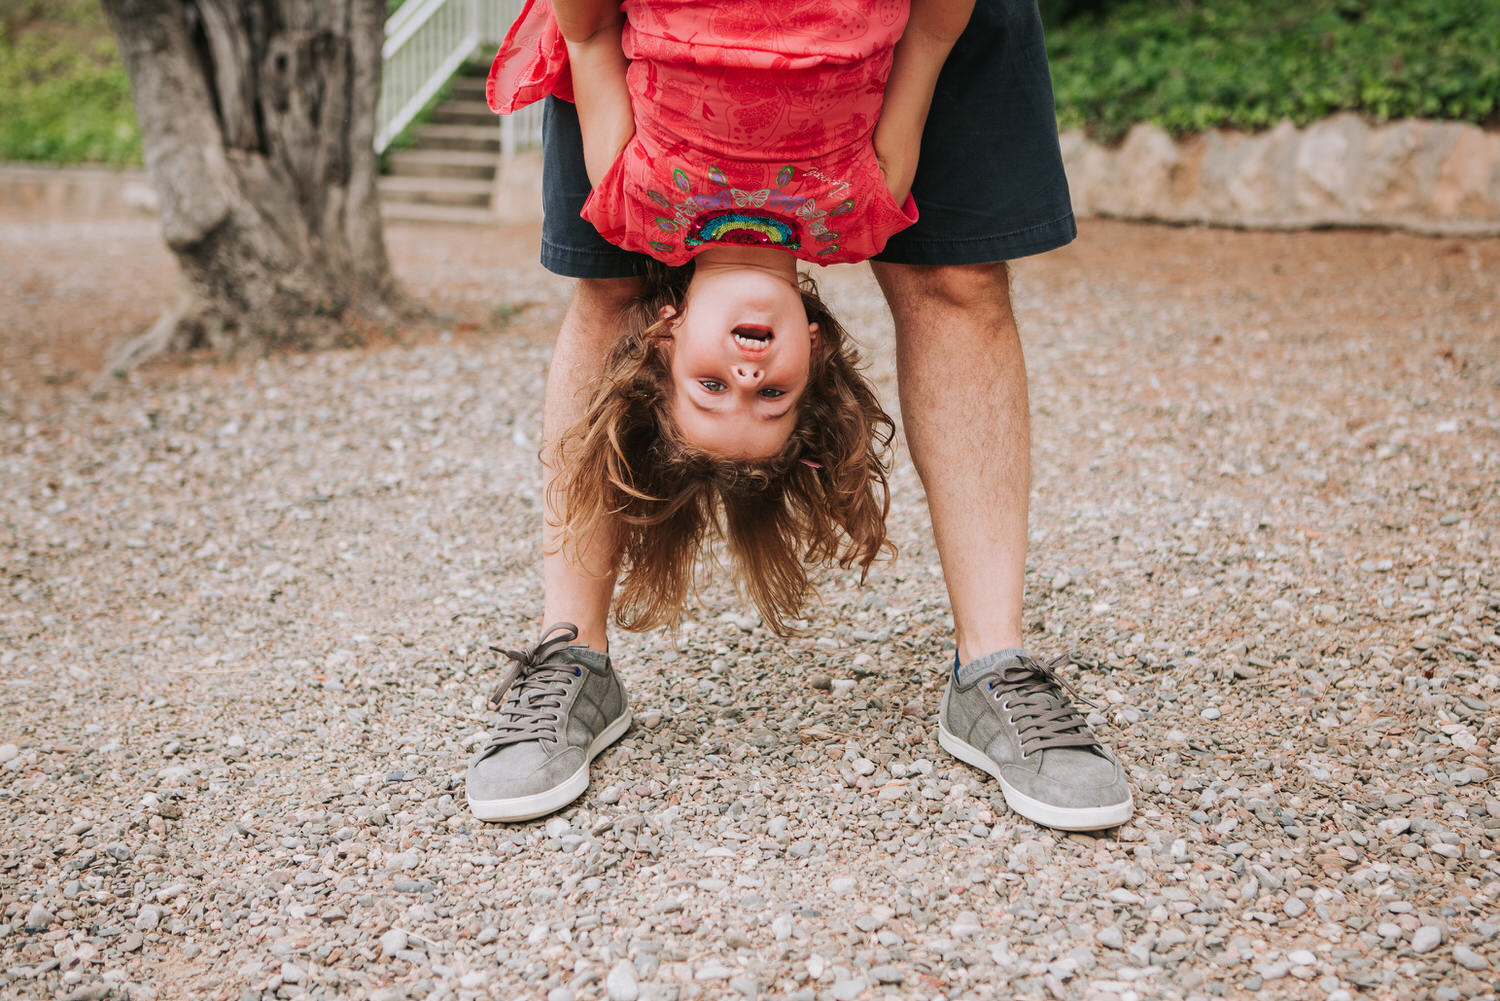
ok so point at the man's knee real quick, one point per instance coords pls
(948, 287)
(604, 295)
(593, 319)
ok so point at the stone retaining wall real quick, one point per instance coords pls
(1440, 178)
(1426, 177)
(39, 194)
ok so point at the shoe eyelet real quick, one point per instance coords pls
(577, 672)
(991, 685)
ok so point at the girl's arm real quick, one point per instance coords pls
(592, 30)
(931, 30)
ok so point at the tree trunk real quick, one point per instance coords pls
(258, 122)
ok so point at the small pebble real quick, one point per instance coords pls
(97, 991)
(1469, 959)
(847, 989)
(1426, 938)
(621, 984)
(966, 925)
(39, 918)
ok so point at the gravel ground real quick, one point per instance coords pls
(247, 605)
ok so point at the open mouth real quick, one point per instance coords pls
(752, 336)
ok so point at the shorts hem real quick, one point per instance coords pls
(571, 262)
(1025, 242)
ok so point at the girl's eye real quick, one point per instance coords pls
(772, 394)
(712, 385)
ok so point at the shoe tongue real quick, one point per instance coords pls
(592, 659)
(993, 663)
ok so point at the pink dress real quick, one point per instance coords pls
(754, 121)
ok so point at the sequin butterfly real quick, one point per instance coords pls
(749, 199)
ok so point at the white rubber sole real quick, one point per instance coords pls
(554, 799)
(1063, 818)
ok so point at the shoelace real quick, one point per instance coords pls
(531, 693)
(1036, 700)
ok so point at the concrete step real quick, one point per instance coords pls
(420, 212)
(467, 88)
(473, 138)
(444, 163)
(464, 113)
(448, 177)
(436, 191)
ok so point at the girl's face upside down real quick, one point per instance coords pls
(740, 352)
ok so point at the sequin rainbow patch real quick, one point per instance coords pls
(759, 229)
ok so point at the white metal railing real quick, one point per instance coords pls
(426, 41)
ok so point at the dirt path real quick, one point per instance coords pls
(75, 287)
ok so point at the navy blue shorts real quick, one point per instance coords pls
(989, 185)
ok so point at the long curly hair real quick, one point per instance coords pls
(823, 498)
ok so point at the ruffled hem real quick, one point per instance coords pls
(668, 205)
(532, 62)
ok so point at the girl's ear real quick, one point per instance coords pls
(667, 312)
(813, 333)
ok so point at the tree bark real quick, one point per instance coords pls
(258, 121)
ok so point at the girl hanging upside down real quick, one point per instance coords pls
(727, 141)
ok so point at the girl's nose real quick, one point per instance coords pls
(748, 373)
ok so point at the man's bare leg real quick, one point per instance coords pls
(536, 760)
(577, 589)
(964, 409)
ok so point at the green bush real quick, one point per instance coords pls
(64, 96)
(1187, 65)
(1191, 66)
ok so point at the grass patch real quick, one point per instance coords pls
(64, 95)
(1190, 66)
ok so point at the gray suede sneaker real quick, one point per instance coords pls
(1012, 717)
(560, 706)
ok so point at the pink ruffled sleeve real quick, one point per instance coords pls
(532, 62)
